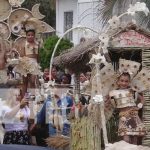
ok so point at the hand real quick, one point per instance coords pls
(23, 103)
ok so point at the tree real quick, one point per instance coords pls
(49, 44)
(108, 8)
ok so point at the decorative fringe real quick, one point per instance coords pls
(146, 112)
(85, 134)
(58, 141)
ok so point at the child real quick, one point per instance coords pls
(46, 75)
(31, 51)
(128, 104)
(29, 58)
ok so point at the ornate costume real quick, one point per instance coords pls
(27, 65)
(31, 49)
(129, 121)
(126, 100)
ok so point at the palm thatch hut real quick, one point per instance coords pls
(131, 43)
(120, 45)
(77, 57)
(134, 43)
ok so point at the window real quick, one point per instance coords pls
(68, 22)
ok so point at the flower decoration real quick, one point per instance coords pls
(41, 81)
(104, 38)
(136, 8)
(51, 83)
(114, 22)
(98, 98)
(98, 58)
(140, 105)
(105, 50)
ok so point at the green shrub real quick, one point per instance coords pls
(49, 45)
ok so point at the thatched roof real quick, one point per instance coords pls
(129, 27)
(135, 27)
(77, 57)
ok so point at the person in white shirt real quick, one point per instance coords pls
(15, 119)
(83, 82)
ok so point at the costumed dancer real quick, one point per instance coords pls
(128, 102)
(28, 63)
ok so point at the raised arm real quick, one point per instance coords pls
(15, 109)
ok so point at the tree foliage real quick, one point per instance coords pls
(108, 8)
(49, 45)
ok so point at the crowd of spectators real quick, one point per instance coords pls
(17, 124)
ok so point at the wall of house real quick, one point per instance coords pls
(87, 16)
(84, 14)
(61, 7)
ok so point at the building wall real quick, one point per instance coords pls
(84, 14)
(61, 7)
(87, 16)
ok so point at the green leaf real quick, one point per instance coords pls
(49, 45)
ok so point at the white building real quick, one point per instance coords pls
(70, 13)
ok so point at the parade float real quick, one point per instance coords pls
(121, 44)
(12, 21)
(86, 126)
